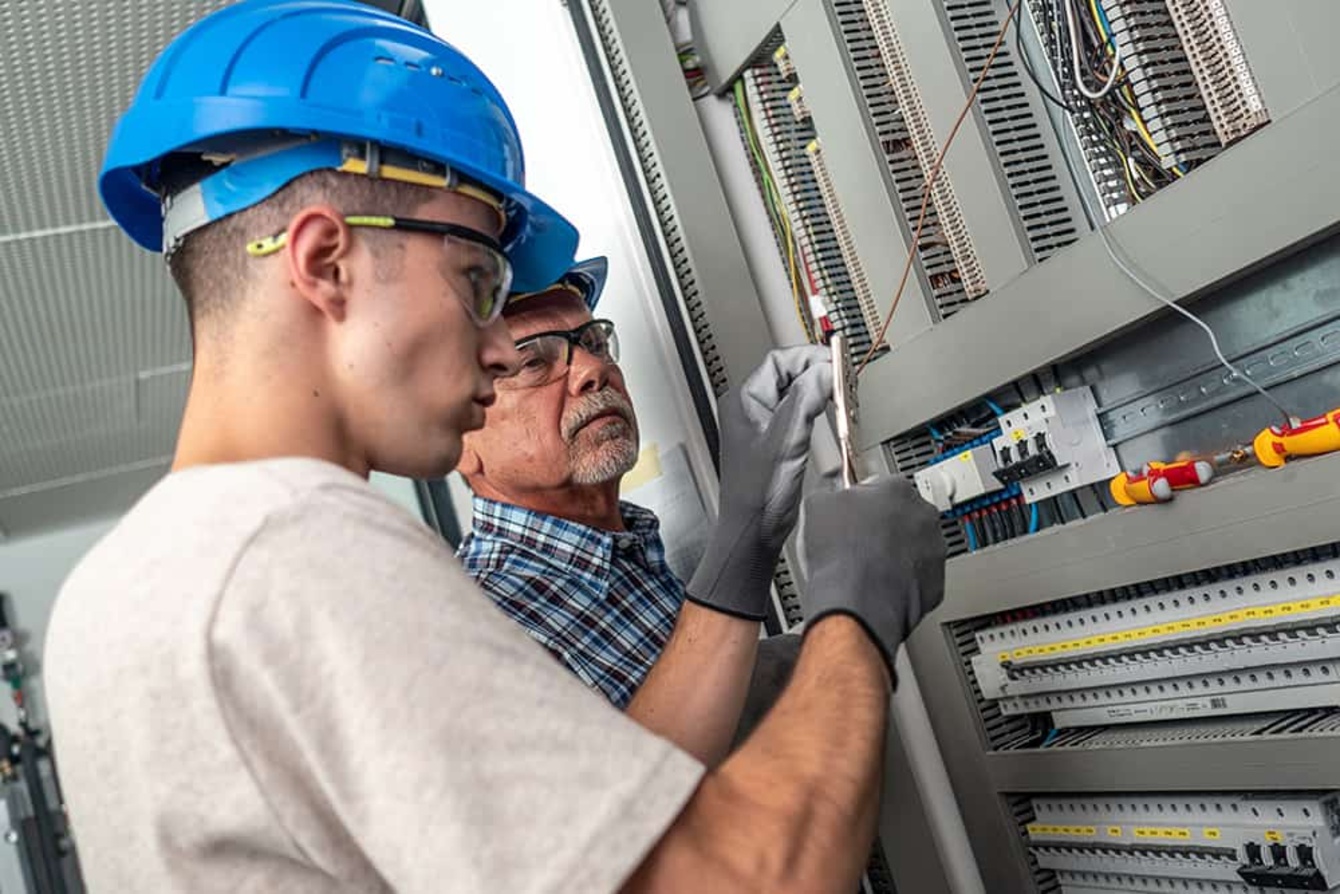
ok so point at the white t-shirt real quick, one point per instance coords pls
(269, 678)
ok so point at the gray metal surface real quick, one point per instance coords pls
(915, 863)
(1266, 195)
(1162, 391)
(14, 878)
(1275, 764)
(934, 61)
(996, 842)
(1257, 513)
(728, 33)
(855, 163)
(1290, 47)
(684, 171)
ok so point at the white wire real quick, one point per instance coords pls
(1074, 57)
(1214, 341)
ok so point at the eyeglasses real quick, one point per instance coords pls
(482, 272)
(547, 356)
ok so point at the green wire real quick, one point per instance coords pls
(771, 195)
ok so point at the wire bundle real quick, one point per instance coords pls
(1081, 31)
(798, 268)
(692, 65)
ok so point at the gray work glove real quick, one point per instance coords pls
(765, 441)
(875, 552)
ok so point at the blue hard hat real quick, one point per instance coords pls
(277, 88)
(587, 278)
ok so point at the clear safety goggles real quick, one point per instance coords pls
(481, 272)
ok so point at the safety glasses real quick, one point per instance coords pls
(481, 274)
(547, 356)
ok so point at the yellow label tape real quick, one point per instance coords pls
(1045, 829)
(1272, 835)
(1162, 833)
(1190, 625)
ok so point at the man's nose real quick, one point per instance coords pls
(497, 351)
(587, 373)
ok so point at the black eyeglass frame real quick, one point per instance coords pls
(574, 339)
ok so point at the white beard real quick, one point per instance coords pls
(607, 454)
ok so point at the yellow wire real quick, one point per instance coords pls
(795, 273)
(771, 195)
(1131, 105)
(1134, 111)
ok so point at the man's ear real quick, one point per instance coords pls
(317, 253)
(469, 464)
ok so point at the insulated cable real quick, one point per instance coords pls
(1214, 341)
(1075, 62)
(930, 183)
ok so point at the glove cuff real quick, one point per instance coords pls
(735, 574)
(884, 653)
(733, 612)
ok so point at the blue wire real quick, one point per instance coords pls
(1033, 520)
(935, 433)
(995, 407)
(1051, 737)
(972, 538)
(1107, 26)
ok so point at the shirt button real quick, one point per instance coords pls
(625, 542)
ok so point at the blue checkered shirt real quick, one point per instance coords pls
(603, 602)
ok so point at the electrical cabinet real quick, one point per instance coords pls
(1027, 218)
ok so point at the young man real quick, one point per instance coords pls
(583, 571)
(269, 678)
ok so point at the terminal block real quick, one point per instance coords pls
(1264, 642)
(1053, 445)
(796, 97)
(1287, 841)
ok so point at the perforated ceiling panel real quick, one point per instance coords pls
(94, 349)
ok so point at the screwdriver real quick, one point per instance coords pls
(1309, 437)
(1155, 482)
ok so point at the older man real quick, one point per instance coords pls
(584, 572)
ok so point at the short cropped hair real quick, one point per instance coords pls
(212, 268)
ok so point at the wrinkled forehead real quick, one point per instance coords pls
(555, 309)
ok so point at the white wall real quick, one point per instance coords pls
(529, 50)
(401, 490)
(32, 570)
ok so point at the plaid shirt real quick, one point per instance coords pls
(603, 602)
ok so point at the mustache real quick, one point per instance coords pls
(592, 405)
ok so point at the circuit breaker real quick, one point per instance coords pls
(1053, 445)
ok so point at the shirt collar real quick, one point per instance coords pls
(566, 543)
